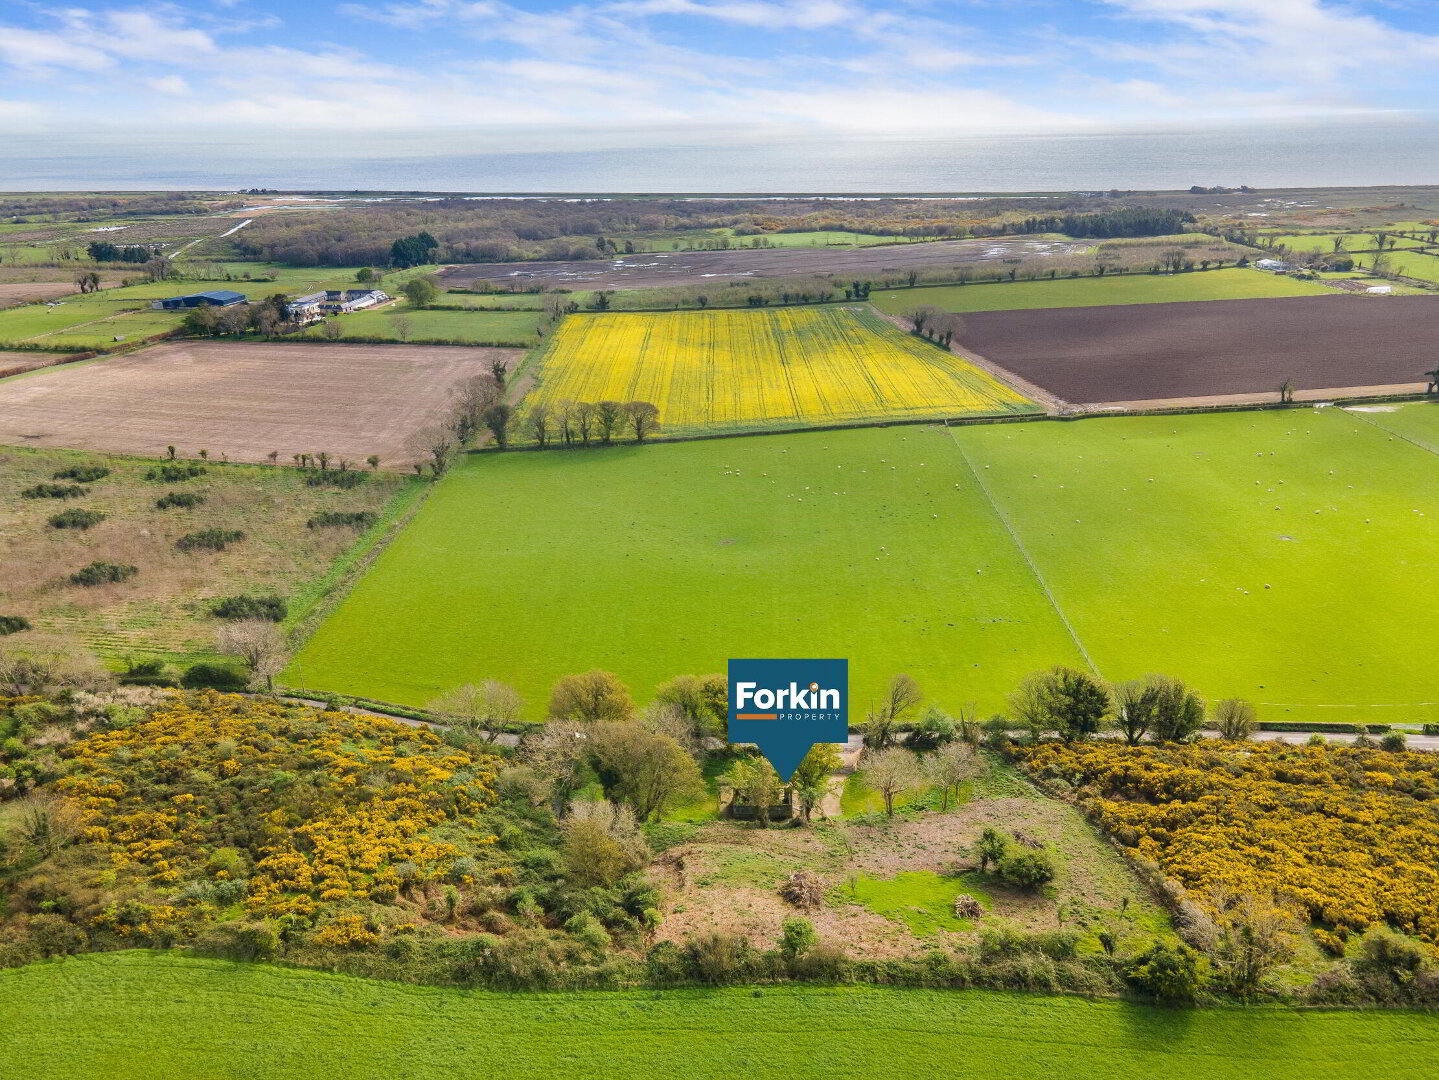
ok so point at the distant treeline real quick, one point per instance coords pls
(86, 207)
(104, 251)
(511, 230)
(1131, 221)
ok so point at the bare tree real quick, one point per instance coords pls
(949, 767)
(537, 419)
(584, 420)
(891, 772)
(438, 442)
(482, 710)
(256, 643)
(643, 418)
(403, 327)
(608, 415)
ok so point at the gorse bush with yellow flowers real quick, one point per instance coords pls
(1349, 837)
(312, 807)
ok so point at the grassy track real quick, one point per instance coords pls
(1231, 284)
(747, 370)
(145, 1016)
(656, 561)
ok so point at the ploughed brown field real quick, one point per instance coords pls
(1142, 351)
(243, 401)
(661, 269)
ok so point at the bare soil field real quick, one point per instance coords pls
(14, 293)
(12, 363)
(659, 270)
(242, 401)
(1222, 347)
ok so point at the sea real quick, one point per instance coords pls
(1388, 150)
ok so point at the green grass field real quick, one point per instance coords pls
(156, 1016)
(660, 560)
(480, 327)
(1156, 537)
(921, 899)
(1230, 284)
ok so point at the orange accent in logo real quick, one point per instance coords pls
(756, 716)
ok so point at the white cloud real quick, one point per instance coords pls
(29, 49)
(169, 84)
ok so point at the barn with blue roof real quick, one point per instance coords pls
(213, 298)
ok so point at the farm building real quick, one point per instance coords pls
(1274, 266)
(340, 301)
(214, 298)
(305, 308)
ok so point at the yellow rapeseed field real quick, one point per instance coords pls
(734, 370)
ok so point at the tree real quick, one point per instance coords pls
(643, 418)
(1433, 384)
(756, 784)
(1134, 705)
(332, 329)
(256, 643)
(602, 843)
(421, 292)
(608, 415)
(811, 780)
(902, 695)
(797, 938)
(584, 420)
(934, 728)
(590, 698)
(1286, 392)
(949, 767)
(537, 419)
(1071, 702)
(438, 442)
(498, 418)
(891, 772)
(702, 699)
(644, 769)
(41, 824)
(1178, 711)
(1234, 719)
(991, 848)
(1247, 938)
(480, 710)
(87, 281)
(1173, 973)
(403, 326)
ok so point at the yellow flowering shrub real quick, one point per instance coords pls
(313, 807)
(1351, 836)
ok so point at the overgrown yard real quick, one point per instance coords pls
(245, 400)
(891, 882)
(750, 370)
(157, 1016)
(164, 608)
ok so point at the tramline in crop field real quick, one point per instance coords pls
(741, 370)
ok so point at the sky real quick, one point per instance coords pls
(526, 68)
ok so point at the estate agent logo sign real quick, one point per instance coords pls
(786, 706)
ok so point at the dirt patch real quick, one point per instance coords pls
(658, 270)
(243, 401)
(14, 293)
(1143, 352)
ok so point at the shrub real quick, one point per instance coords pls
(204, 676)
(148, 673)
(103, 573)
(209, 539)
(1394, 742)
(718, 958)
(13, 624)
(272, 608)
(53, 491)
(76, 519)
(1026, 869)
(185, 499)
(84, 474)
(1167, 972)
(174, 474)
(796, 938)
(1383, 952)
(338, 478)
(359, 519)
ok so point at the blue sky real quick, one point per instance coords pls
(527, 66)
